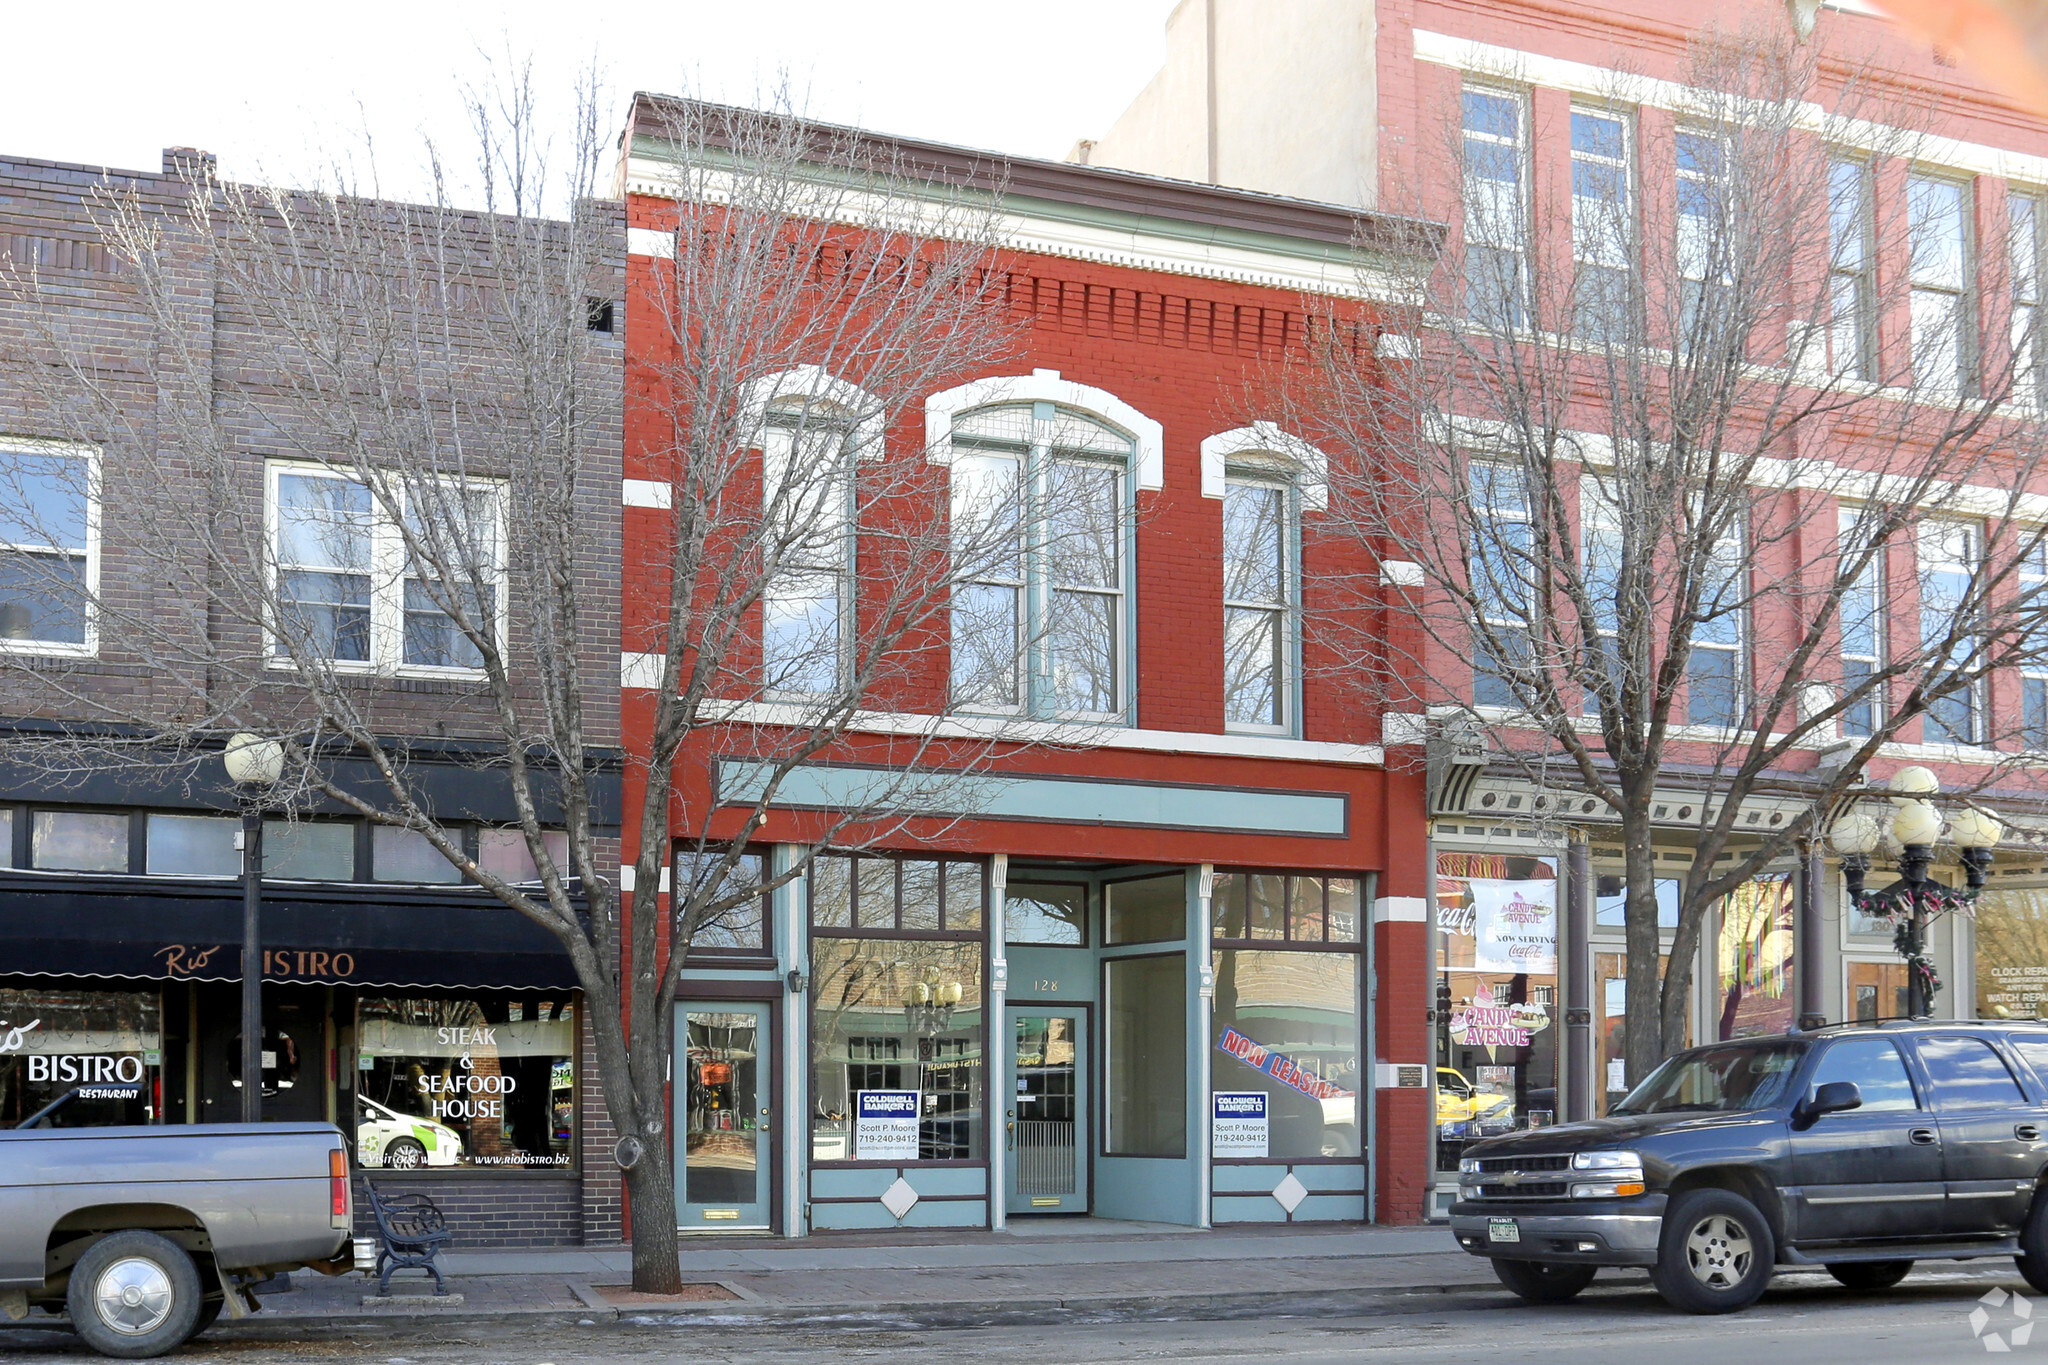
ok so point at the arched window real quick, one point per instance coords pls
(1264, 477)
(1041, 506)
(810, 429)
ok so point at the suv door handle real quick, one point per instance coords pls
(1922, 1136)
(2027, 1132)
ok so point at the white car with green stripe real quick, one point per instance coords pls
(403, 1142)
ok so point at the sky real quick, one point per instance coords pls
(276, 91)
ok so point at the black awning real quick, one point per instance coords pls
(358, 935)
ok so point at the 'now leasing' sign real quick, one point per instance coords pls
(1280, 1067)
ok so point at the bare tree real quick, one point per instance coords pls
(452, 418)
(1702, 491)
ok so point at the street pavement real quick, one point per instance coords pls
(1054, 1295)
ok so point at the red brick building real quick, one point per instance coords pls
(1201, 890)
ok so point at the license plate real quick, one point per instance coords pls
(1503, 1230)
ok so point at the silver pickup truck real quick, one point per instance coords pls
(147, 1234)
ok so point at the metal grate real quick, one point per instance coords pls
(1045, 1156)
(1494, 1165)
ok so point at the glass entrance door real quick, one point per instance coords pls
(722, 1118)
(1046, 1123)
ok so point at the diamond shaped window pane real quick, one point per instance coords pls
(1290, 1192)
(900, 1199)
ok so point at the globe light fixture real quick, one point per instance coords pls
(254, 764)
(252, 760)
(1855, 835)
(1971, 828)
(1917, 823)
(1913, 783)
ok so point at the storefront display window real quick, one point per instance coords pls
(483, 1081)
(1496, 1031)
(309, 850)
(81, 1059)
(1145, 1003)
(404, 855)
(503, 853)
(903, 1015)
(1610, 971)
(193, 846)
(1755, 957)
(2012, 955)
(1287, 1024)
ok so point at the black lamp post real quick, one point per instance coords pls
(254, 764)
(1915, 898)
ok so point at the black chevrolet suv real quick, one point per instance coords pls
(1858, 1148)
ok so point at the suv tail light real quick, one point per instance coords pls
(341, 1200)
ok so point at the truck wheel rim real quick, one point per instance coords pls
(1719, 1252)
(134, 1296)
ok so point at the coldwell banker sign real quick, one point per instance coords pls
(885, 1125)
(1237, 1126)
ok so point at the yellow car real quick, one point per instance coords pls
(1458, 1100)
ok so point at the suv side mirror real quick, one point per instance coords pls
(1833, 1098)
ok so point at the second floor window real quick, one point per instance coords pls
(1502, 541)
(1862, 629)
(48, 550)
(807, 541)
(1040, 521)
(1705, 245)
(1715, 681)
(355, 588)
(1258, 603)
(1949, 552)
(1940, 270)
(2033, 587)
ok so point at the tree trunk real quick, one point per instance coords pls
(651, 1190)
(1643, 1014)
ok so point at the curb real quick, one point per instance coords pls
(1163, 1305)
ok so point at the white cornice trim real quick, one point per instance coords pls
(1335, 271)
(1148, 437)
(644, 671)
(1489, 60)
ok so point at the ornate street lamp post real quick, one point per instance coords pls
(1914, 899)
(254, 764)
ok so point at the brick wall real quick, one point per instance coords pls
(490, 1211)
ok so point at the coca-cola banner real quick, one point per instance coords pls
(1515, 925)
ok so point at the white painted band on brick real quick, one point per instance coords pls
(648, 242)
(647, 493)
(1400, 910)
(1387, 1075)
(1394, 346)
(1400, 573)
(644, 670)
(639, 670)
(1403, 727)
(628, 879)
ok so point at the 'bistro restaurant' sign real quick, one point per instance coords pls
(279, 964)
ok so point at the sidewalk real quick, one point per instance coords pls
(1049, 1264)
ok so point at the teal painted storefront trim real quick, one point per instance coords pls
(1064, 800)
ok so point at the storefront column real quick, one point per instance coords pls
(1810, 939)
(794, 967)
(1205, 1014)
(1000, 1103)
(1575, 965)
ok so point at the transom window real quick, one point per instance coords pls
(1040, 509)
(48, 549)
(1284, 908)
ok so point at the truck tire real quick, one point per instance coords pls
(2033, 1257)
(1869, 1275)
(209, 1311)
(1717, 1253)
(404, 1154)
(1542, 1282)
(134, 1295)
